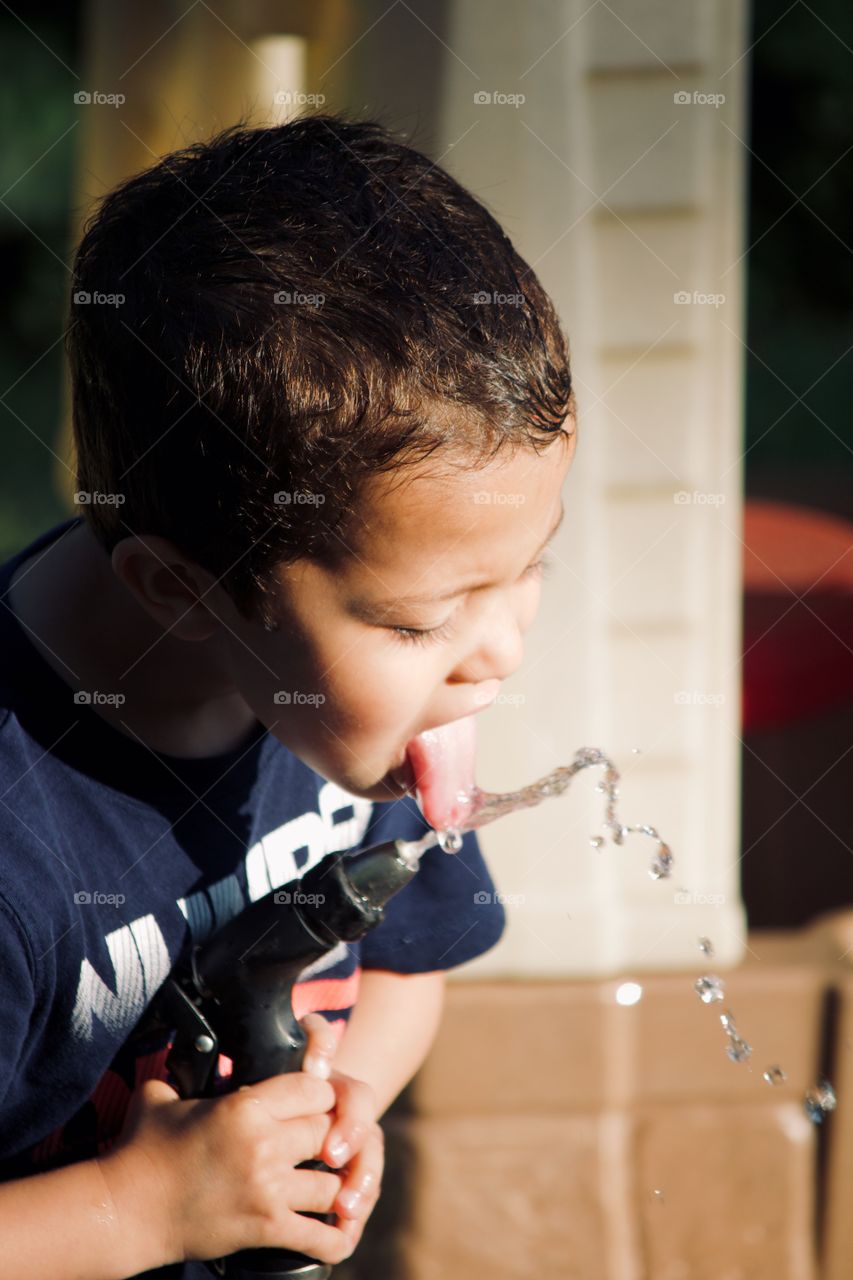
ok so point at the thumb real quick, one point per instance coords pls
(321, 1047)
(156, 1092)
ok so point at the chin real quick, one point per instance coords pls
(388, 788)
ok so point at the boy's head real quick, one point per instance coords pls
(332, 385)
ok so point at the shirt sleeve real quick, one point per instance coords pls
(448, 914)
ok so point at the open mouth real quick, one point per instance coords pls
(439, 767)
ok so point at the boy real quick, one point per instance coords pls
(321, 429)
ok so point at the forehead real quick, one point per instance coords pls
(449, 517)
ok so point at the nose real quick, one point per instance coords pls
(498, 650)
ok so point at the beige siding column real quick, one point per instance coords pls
(627, 199)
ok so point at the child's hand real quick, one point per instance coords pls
(355, 1142)
(208, 1177)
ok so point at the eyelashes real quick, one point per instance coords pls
(435, 635)
(542, 567)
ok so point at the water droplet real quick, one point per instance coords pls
(819, 1101)
(826, 1094)
(728, 1020)
(709, 988)
(658, 1196)
(628, 993)
(450, 841)
(706, 946)
(774, 1075)
(636, 751)
(737, 1049)
(597, 842)
(661, 867)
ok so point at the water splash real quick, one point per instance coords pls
(486, 806)
(737, 1048)
(711, 989)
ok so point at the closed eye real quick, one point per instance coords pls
(434, 635)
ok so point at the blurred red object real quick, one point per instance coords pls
(798, 614)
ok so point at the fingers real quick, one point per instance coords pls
(321, 1047)
(363, 1179)
(355, 1115)
(317, 1239)
(314, 1191)
(303, 1138)
(158, 1091)
(291, 1095)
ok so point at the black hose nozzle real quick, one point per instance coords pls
(244, 976)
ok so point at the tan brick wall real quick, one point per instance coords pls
(554, 1132)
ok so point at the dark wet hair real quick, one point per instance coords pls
(295, 307)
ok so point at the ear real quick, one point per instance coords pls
(175, 591)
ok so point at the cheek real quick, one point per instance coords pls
(377, 686)
(366, 688)
(531, 598)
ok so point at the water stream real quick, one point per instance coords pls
(486, 806)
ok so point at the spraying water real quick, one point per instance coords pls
(486, 806)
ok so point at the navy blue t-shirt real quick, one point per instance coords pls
(116, 859)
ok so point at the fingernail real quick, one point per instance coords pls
(317, 1066)
(350, 1200)
(339, 1150)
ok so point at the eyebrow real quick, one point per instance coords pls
(376, 606)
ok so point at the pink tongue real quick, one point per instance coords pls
(443, 764)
